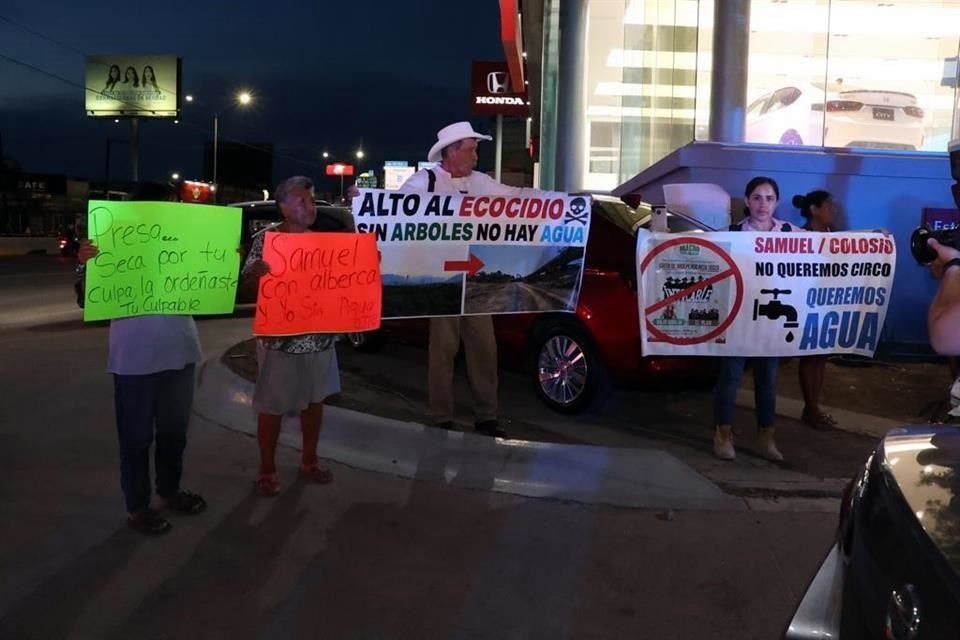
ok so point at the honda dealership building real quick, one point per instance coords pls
(855, 96)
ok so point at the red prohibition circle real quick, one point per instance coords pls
(738, 285)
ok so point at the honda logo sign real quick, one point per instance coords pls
(492, 92)
(498, 82)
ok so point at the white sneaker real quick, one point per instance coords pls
(723, 443)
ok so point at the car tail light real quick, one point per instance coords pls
(844, 105)
(916, 112)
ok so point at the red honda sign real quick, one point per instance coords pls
(339, 169)
(493, 92)
(191, 191)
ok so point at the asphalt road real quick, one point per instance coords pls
(511, 296)
(36, 287)
(371, 556)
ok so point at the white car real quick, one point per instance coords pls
(852, 118)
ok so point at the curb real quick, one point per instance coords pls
(635, 478)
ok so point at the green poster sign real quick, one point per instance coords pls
(161, 258)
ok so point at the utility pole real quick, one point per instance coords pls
(135, 148)
(5, 227)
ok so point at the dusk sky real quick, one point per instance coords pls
(325, 75)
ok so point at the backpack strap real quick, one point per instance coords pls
(431, 180)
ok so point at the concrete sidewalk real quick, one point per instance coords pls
(389, 384)
(639, 478)
(850, 421)
(869, 397)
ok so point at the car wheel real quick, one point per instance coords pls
(791, 137)
(568, 373)
(366, 341)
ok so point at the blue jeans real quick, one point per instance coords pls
(152, 407)
(764, 389)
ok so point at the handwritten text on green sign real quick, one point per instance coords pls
(161, 258)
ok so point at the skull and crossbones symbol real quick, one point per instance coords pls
(578, 211)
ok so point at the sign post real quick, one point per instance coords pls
(493, 93)
(340, 169)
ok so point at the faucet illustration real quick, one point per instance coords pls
(776, 309)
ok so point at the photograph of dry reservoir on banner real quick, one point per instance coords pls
(445, 254)
(544, 278)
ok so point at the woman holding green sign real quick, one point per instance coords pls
(152, 359)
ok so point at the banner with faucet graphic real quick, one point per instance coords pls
(763, 294)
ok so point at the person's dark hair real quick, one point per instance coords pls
(126, 77)
(812, 199)
(112, 79)
(152, 192)
(752, 186)
(153, 77)
(288, 185)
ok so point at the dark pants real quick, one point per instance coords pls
(156, 403)
(764, 389)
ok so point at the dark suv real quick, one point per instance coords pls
(262, 213)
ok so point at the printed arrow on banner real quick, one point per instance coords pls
(471, 266)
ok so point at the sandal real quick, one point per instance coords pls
(267, 484)
(821, 421)
(315, 473)
(149, 522)
(186, 502)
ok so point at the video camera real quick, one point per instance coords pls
(947, 237)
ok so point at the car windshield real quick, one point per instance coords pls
(630, 219)
(621, 215)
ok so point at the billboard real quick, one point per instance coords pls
(143, 86)
(197, 192)
(339, 169)
(394, 176)
(492, 92)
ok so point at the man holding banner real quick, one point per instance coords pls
(456, 152)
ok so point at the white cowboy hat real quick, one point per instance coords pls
(450, 134)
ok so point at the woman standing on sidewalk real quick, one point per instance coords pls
(818, 208)
(761, 198)
(296, 373)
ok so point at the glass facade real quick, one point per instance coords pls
(551, 75)
(835, 73)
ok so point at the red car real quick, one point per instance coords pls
(575, 356)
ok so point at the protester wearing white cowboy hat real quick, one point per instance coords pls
(456, 152)
(453, 133)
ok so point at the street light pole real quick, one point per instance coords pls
(216, 136)
(135, 148)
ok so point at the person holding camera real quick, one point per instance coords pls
(943, 317)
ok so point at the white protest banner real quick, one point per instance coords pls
(447, 254)
(763, 294)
